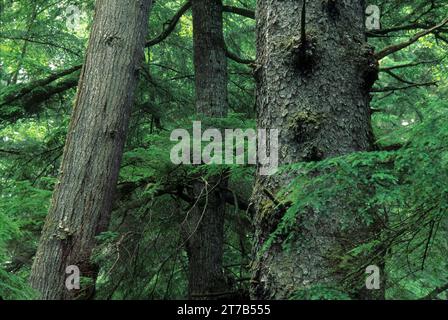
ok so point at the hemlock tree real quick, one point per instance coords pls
(314, 72)
(82, 200)
(203, 227)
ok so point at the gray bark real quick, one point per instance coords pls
(203, 228)
(317, 94)
(82, 200)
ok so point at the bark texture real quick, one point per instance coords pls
(204, 226)
(313, 82)
(210, 62)
(82, 200)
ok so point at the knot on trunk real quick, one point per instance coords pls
(305, 125)
(331, 6)
(369, 67)
(304, 54)
(304, 48)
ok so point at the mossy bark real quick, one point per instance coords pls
(322, 111)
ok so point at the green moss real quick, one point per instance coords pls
(302, 121)
(266, 207)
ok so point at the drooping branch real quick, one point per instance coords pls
(397, 47)
(304, 50)
(229, 197)
(171, 25)
(413, 25)
(233, 199)
(39, 96)
(432, 7)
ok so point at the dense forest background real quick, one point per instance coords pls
(401, 184)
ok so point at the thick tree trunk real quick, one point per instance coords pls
(204, 227)
(316, 92)
(82, 200)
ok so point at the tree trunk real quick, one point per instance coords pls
(203, 229)
(313, 83)
(82, 200)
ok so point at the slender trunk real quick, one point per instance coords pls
(313, 82)
(82, 200)
(204, 227)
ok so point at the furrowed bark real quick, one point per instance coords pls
(82, 200)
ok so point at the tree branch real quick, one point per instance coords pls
(387, 89)
(433, 294)
(397, 77)
(12, 152)
(407, 27)
(230, 198)
(394, 48)
(41, 42)
(171, 24)
(240, 11)
(30, 104)
(24, 90)
(411, 64)
(236, 58)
